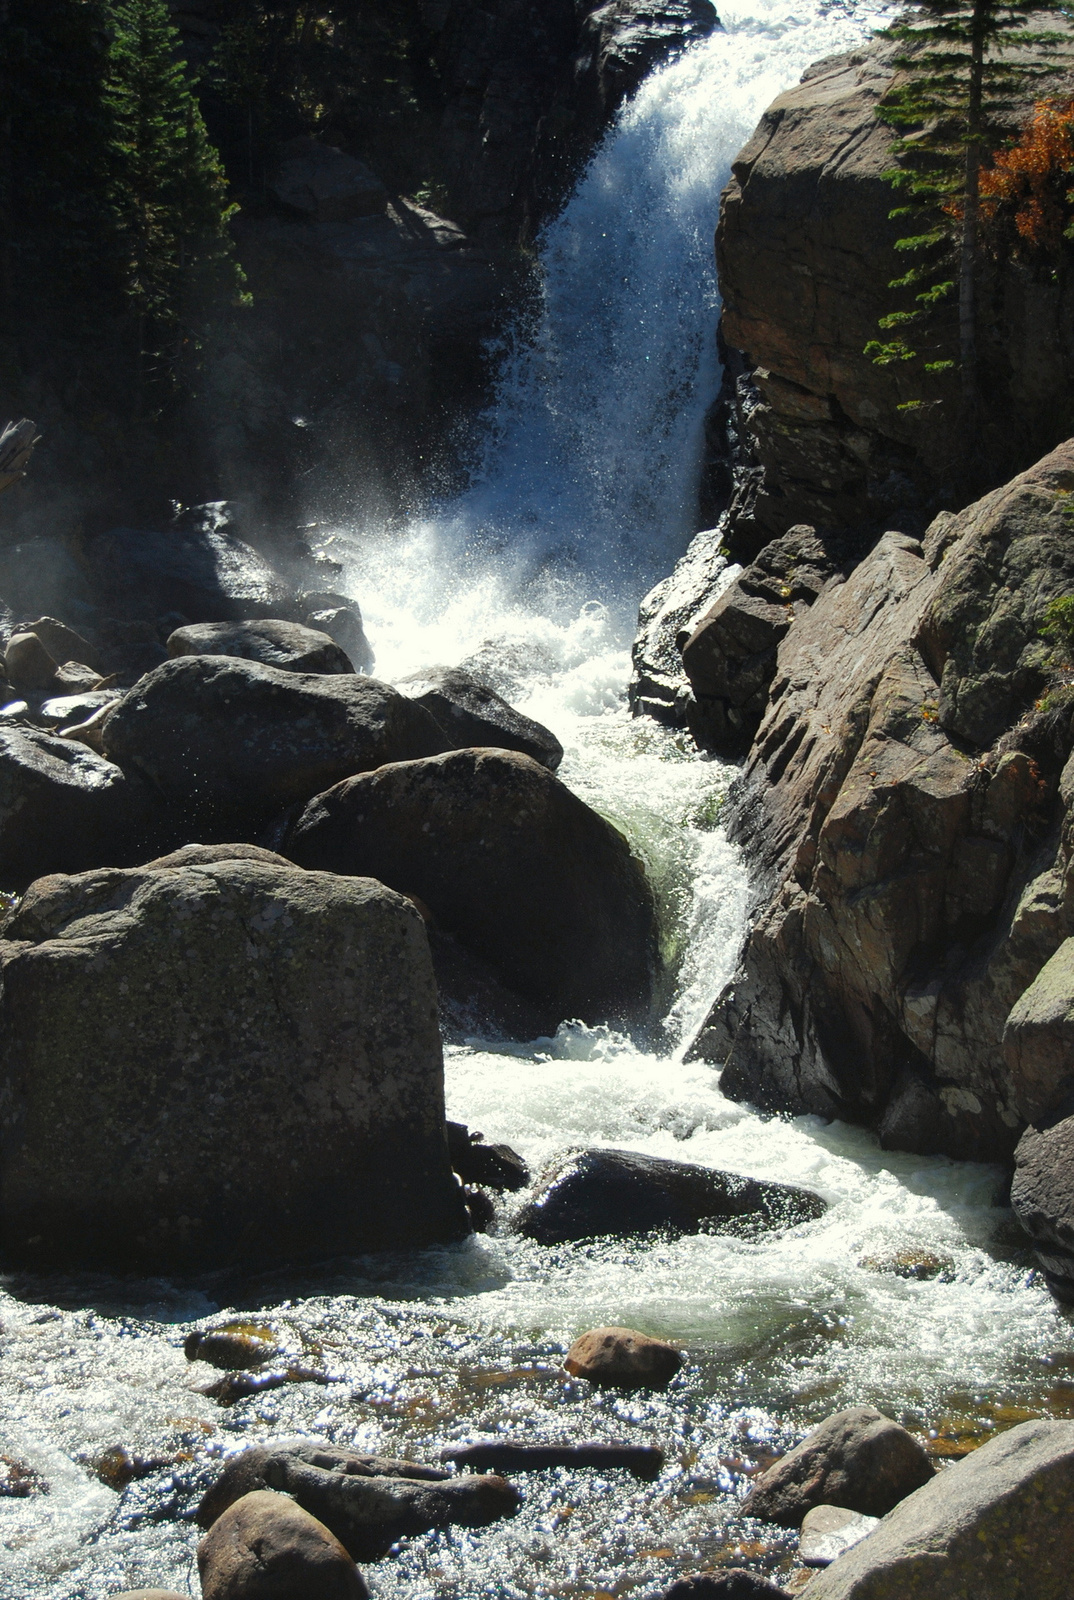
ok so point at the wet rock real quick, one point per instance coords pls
(18, 1480)
(481, 1207)
(236, 1386)
(197, 568)
(341, 619)
(1042, 1197)
(621, 1193)
(234, 742)
(28, 664)
(71, 677)
(995, 1526)
(471, 713)
(495, 1166)
(233, 1349)
(734, 1584)
(149, 1594)
(858, 1459)
(920, 1265)
(287, 645)
(623, 1358)
(830, 1531)
(514, 1455)
(265, 1547)
(509, 862)
(729, 655)
(63, 808)
(67, 710)
(658, 685)
(1038, 1038)
(224, 989)
(324, 184)
(118, 1466)
(367, 1512)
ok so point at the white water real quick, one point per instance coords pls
(583, 491)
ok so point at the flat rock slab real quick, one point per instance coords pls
(999, 1525)
(512, 1455)
(857, 1458)
(287, 645)
(830, 1531)
(621, 1193)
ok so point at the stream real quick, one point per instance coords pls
(583, 486)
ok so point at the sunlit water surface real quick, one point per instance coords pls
(584, 483)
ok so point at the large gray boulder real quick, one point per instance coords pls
(858, 1459)
(287, 645)
(218, 1058)
(64, 808)
(1042, 1195)
(471, 713)
(510, 863)
(999, 1525)
(234, 742)
(1038, 1038)
(619, 1192)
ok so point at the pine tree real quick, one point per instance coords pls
(965, 66)
(166, 189)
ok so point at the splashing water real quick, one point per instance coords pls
(582, 493)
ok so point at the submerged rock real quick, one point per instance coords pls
(734, 1584)
(998, 1525)
(287, 645)
(517, 1455)
(265, 1547)
(858, 1459)
(234, 742)
(622, 1358)
(367, 1510)
(619, 1192)
(230, 1348)
(171, 1034)
(471, 713)
(508, 861)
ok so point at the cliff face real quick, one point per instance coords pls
(906, 803)
(805, 249)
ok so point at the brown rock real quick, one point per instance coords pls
(267, 1548)
(233, 1349)
(858, 1459)
(28, 664)
(623, 1358)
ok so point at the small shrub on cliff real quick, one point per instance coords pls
(1029, 183)
(959, 75)
(1058, 628)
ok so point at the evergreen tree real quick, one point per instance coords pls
(166, 189)
(964, 66)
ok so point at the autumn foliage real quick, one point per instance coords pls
(1031, 181)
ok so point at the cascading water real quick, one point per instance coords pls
(583, 489)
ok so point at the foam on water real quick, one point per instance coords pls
(583, 489)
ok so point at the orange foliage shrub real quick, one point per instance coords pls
(1034, 176)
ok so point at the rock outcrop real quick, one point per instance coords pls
(1042, 1195)
(658, 685)
(620, 1193)
(509, 863)
(806, 251)
(218, 1058)
(729, 652)
(903, 801)
(995, 1526)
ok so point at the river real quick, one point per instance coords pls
(583, 485)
